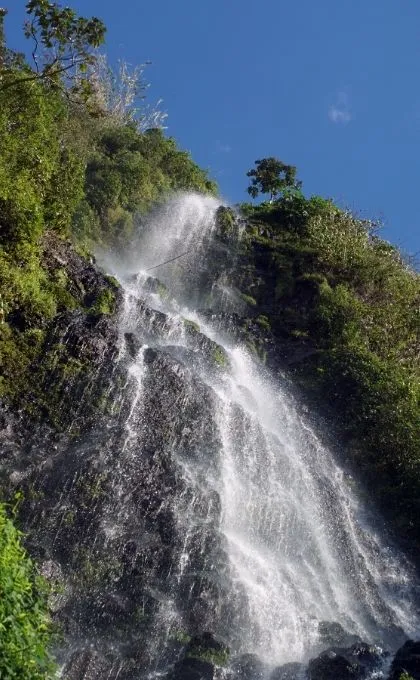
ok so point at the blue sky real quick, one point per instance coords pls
(332, 87)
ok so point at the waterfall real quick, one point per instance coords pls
(192, 493)
(269, 536)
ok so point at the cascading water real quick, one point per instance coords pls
(272, 540)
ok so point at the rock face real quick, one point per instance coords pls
(406, 660)
(332, 634)
(356, 662)
(289, 671)
(249, 667)
(199, 659)
(118, 506)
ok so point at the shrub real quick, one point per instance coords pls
(25, 627)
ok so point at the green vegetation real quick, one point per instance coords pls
(273, 177)
(219, 356)
(69, 166)
(104, 304)
(25, 628)
(323, 280)
(191, 326)
(249, 300)
(126, 173)
(217, 655)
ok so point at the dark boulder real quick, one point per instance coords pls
(207, 648)
(88, 664)
(133, 344)
(249, 667)
(407, 660)
(333, 666)
(289, 671)
(192, 669)
(358, 661)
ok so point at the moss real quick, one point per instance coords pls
(249, 300)
(94, 571)
(192, 326)
(69, 518)
(217, 657)
(92, 487)
(71, 368)
(113, 282)
(263, 322)
(104, 303)
(219, 356)
(299, 333)
(17, 352)
(180, 636)
(226, 224)
(162, 291)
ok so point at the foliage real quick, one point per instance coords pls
(119, 95)
(66, 40)
(322, 278)
(126, 173)
(67, 43)
(105, 303)
(272, 176)
(25, 628)
(70, 167)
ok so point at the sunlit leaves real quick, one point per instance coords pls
(25, 628)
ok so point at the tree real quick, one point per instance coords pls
(63, 45)
(3, 13)
(272, 176)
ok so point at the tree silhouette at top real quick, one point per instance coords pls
(272, 176)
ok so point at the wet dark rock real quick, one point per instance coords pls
(153, 322)
(200, 657)
(227, 225)
(333, 666)
(249, 667)
(254, 333)
(85, 281)
(407, 659)
(368, 656)
(192, 669)
(118, 563)
(209, 349)
(155, 286)
(133, 344)
(289, 671)
(89, 665)
(358, 661)
(332, 634)
(207, 648)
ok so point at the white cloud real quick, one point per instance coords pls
(222, 148)
(339, 111)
